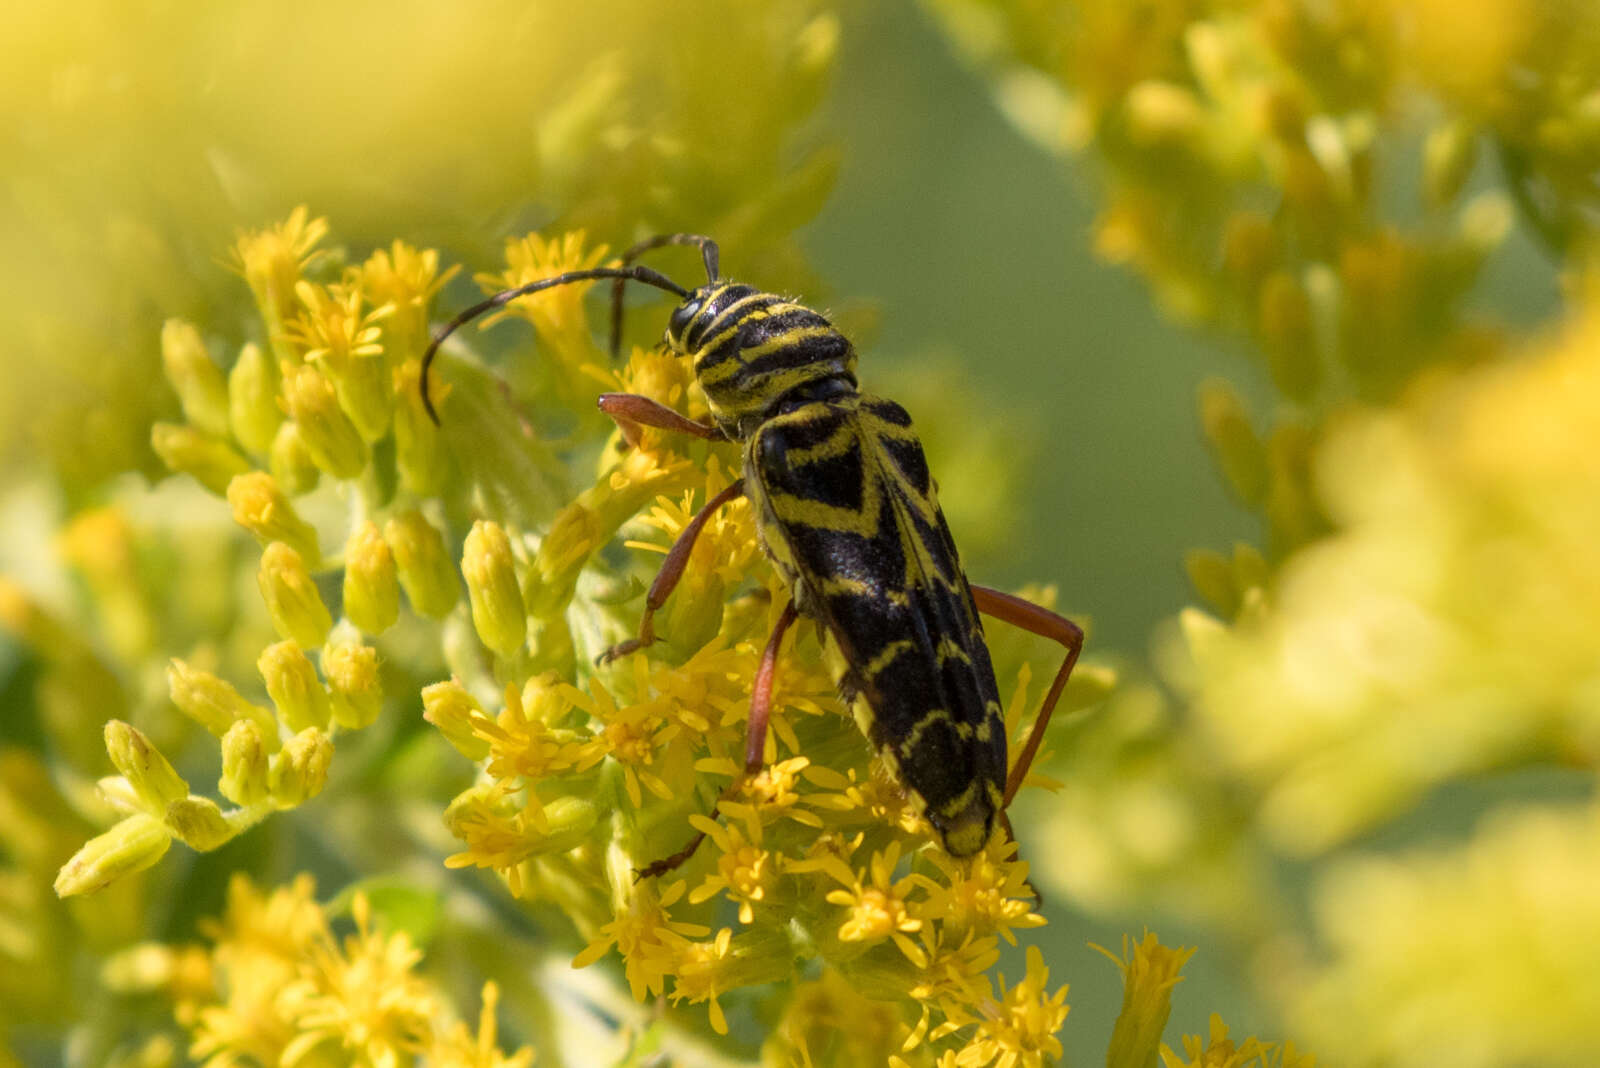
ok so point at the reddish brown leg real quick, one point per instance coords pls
(755, 741)
(631, 411)
(666, 579)
(1046, 624)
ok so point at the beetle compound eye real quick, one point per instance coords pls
(682, 317)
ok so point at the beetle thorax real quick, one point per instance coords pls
(753, 350)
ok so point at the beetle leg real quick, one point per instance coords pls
(755, 742)
(630, 411)
(1047, 624)
(672, 569)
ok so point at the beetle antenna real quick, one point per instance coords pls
(622, 274)
(708, 252)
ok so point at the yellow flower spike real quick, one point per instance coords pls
(423, 565)
(271, 261)
(449, 707)
(300, 769)
(406, 279)
(1021, 1028)
(293, 602)
(371, 583)
(291, 462)
(293, 685)
(356, 696)
(419, 453)
(245, 764)
(132, 845)
(262, 508)
(197, 380)
(490, 570)
(211, 702)
(332, 439)
(698, 976)
(1149, 973)
(556, 314)
(199, 823)
(253, 411)
(649, 940)
(345, 344)
(142, 764)
(210, 461)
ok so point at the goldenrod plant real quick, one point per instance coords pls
(308, 759)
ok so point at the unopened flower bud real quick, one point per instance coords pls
(296, 607)
(1238, 450)
(199, 823)
(209, 701)
(371, 587)
(253, 410)
(424, 566)
(293, 685)
(244, 764)
(491, 575)
(142, 764)
(330, 436)
(262, 508)
(1160, 112)
(198, 381)
(210, 461)
(352, 671)
(449, 707)
(1212, 578)
(419, 453)
(300, 768)
(291, 461)
(1448, 157)
(132, 845)
(1286, 333)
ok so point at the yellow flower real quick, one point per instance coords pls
(745, 870)
(556, 314)
(650, 941)
(1149, 973)
(361, 996)
(699, 975)
(1220, 1051)
(461, 1048)
(988, 892)
(879, 905)
(272, 260)
(1020, 1028)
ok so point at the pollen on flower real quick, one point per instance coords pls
(879, 906)
(745, 870)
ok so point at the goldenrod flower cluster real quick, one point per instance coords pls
(274, 984)
(818, 876)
